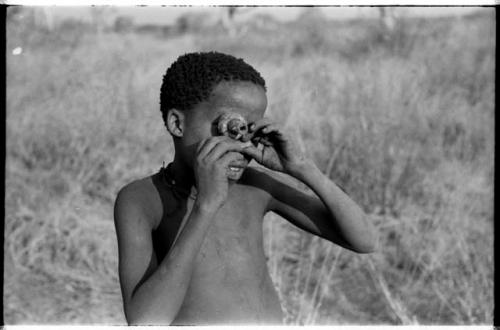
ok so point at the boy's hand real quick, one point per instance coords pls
(278, 151)
(211, 168)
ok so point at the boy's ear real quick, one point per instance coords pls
(175, 122)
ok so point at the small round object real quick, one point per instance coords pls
(232, 125)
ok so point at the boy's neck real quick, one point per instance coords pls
(182, 174)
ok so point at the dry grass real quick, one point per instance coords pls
(406, 127)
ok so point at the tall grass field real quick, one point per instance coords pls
(403, 120)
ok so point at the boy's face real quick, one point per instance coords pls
(244, 98)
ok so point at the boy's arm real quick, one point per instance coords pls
(329, 212)
(153, 294)
(326, 212)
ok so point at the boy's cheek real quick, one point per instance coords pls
(194, 135)
(189, 152)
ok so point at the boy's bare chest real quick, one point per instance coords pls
(234, 235)
(232, 244)
(230, 271)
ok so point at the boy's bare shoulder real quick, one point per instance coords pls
(140, 196)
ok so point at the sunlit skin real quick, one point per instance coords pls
(215, 271)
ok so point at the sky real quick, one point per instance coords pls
(167, 15)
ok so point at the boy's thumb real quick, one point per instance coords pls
(253, 152)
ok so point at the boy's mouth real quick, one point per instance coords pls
(237, 167)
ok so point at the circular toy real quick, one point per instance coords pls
(232, 125)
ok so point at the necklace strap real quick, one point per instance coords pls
(168, 178)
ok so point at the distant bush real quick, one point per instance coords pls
(123, 24)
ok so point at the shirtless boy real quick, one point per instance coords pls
(190, 236)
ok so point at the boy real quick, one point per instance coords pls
(190, 236)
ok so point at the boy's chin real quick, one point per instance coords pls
(235, 175)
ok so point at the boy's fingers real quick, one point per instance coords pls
(246, 137)
(265, 128)
(262, 140)
(266, 143)
(224, 147)
(271, 128)
(208, 144)
(253, 152)
(228, 157)
(202, 145)
(259, 124)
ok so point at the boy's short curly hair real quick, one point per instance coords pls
(191, 78)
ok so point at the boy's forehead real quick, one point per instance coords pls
(239, 95)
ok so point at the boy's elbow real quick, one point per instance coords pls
(369, 245)
(366, 241)
(137, 314)
(133, 317)
(136, 319)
